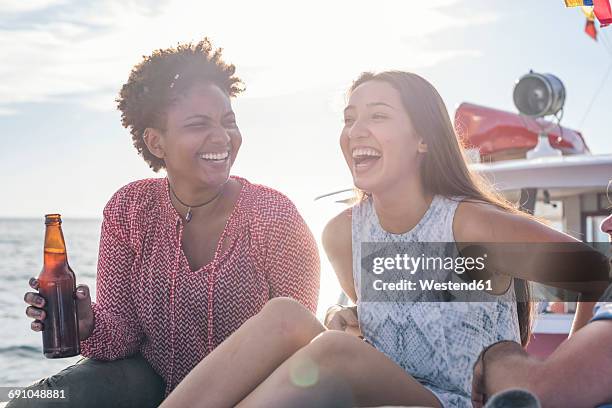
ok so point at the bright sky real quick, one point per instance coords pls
(63, 61)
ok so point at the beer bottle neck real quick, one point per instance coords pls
(55, 247)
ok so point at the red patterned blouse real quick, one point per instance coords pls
(149, 300)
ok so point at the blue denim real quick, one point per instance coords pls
(130, 382)
(603, 309)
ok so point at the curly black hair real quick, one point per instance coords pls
(159, 79)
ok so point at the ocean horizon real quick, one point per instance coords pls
(21, 257)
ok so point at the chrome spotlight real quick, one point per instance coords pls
(537, 95)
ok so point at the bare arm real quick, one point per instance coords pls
(522, 249)
(584, 313)
(577, 374)
(338, 248)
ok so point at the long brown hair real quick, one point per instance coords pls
(444, 169)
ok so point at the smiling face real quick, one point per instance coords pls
(202, 138)
(378, 140)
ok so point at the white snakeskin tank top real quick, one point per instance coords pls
(435, 342)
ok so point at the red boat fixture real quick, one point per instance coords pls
(500, 135)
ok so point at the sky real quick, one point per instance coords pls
(62, 63)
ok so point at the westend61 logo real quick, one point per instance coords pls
(435, 264)
(411, 264)
(476, 272)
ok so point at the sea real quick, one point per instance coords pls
(21, 257)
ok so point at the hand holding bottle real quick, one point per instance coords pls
(84, 313)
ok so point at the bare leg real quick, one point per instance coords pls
(247, 357)
(338, 369)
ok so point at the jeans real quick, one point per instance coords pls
(603, 308)
(126, 383)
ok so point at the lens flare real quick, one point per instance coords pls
(304, 372)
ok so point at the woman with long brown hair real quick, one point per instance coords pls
(404, 156)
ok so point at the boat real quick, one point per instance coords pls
(572, 191)
(499, 135)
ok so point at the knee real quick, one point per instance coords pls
(334, 348)
(289, 319)
(286, 310)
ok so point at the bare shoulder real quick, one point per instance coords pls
(484, 222)
(337, 233)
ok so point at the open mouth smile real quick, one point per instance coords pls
(365, 156)
(215, 157)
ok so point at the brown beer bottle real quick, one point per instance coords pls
(57, 285)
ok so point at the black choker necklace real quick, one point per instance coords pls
(189, 207)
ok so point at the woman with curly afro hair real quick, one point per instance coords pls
(185, 259)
